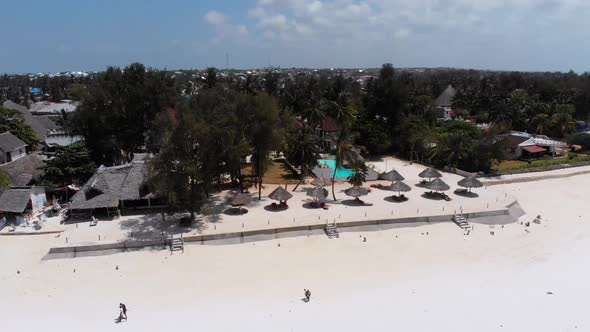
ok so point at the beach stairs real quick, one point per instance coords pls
(461, 221)
(176, 244)
(331, 231)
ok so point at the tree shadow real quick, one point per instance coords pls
(149, 227)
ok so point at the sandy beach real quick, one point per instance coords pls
(519, 279)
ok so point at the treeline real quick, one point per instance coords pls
(137, 109)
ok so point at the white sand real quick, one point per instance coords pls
(299, 213)
(443, 281)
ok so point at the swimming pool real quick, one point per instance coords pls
(341, 172)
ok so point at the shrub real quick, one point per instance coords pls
(582, 139)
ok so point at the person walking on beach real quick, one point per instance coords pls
(123, 309)
(307, 295)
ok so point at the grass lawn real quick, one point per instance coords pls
(277, 173)
(513, 165)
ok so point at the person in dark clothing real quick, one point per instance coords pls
(307, 295)
(123, 308)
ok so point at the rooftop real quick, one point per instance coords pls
(111, 184)
(9, 142)
(46, 107)
(15, 200)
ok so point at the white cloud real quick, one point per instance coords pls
(224, 28)
(396, 26)
(214, 17)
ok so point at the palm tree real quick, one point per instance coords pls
(563, 122)
(540, 123)
(360, 173)
(344, 152)
(304, 152)
(342, 109)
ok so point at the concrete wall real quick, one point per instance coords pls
(285, 232)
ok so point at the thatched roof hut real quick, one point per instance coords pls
(437, 185)
(280, 194)
(392, 176)
(356, 191)
(430, 173)
(470, 182)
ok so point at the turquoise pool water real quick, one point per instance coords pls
(341, 172)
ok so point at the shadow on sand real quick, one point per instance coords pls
(278, 208)
(355, 202)
(395, 199)
(235, 211)
(465, 193)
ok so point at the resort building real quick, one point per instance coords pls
(11, 148)
(19, 204)
(522, 145)
(114, 188)
(327, 131)
(444, 102)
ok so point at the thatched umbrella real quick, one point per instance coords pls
(470, 182)
(318, 193)
(356, 192)
(322, 181)
(430, 173)
(437, 185)
(393, 176)
(280, 194)
(240, 200)
(399, 186)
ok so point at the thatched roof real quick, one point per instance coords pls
(22, 180)
(40, 124)
(109, 185)
(437, 185)
(15, 200)
(321, 181)
(430, 173)
(399, 186)
(356, 191)
(241, 199)
(30, 164)
(446, 97)
(470, 182)
(393, 175)
(318, 193)
(280, 194)
(9, 142)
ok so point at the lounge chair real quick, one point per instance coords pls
(94, 221)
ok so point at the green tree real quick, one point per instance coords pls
(13, 121)
(303, 151)
(360, 173)
(176, 172)
(264, 134)
(4, 179)
(344, 153)
(563, 120)
(71, 165)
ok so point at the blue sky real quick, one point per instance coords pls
(60, 35)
